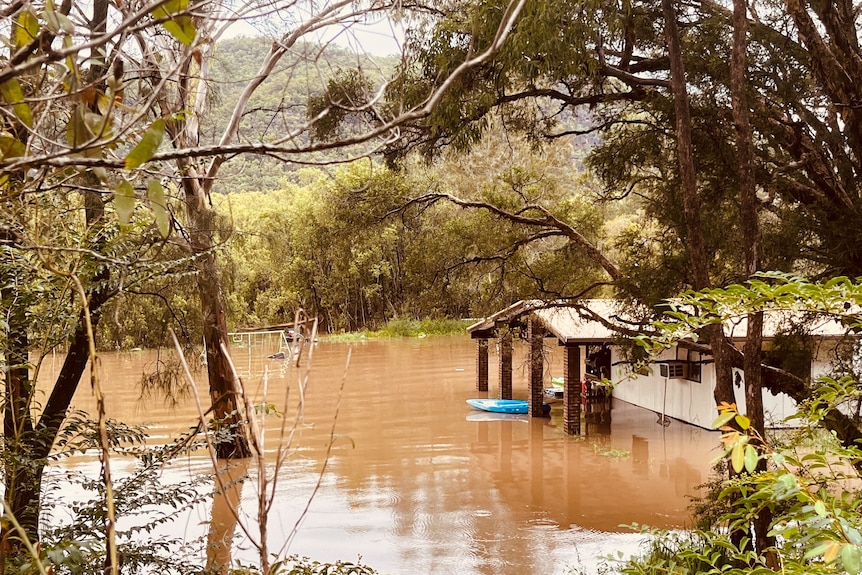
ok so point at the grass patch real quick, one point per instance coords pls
(407, 328)
(610, 452)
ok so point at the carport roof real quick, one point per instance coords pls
(588, 321)
(604, 320)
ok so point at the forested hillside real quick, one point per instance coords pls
(284, 94)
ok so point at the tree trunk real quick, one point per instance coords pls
(748, 209)
(749, 222)
(691, 202)
(232, 441)
(28, 445)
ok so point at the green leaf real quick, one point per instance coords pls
(742, 421)
(819, 550)
(751, 458)
(51, 20)
(76, 130)
(66, 25)
(170, 7)
(851, 557)
(14, 95)
(180, 26)
(26, 28)
(737, 457)
(789, 481)
(98, 125)
(148, 145)
(11, 147)
(156, 195)
(836, 281)
(820, 508)
(723, 419)
(124, 201)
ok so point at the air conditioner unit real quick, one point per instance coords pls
(675, 369)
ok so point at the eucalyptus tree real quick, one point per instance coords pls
(102, 160)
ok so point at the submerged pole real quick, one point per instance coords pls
(482, 364)
(572, 390)
(506, 363)
(535, 334)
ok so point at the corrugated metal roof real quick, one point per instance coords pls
(603, 320)
(589, 321)
(779, 320)
(515, 311)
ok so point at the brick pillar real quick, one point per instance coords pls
(535, 334)
(505, 364)
(572, 390)
(482, 364)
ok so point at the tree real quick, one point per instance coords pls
(101, 135)
(318, 246)
(749, 222)
(803, 488)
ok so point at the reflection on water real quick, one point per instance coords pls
(414, 484)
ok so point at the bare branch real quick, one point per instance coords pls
(547, 220)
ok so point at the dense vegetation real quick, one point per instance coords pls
(342, 245)
(151, 182)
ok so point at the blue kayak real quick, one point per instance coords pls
(505, 405)
(500, 405)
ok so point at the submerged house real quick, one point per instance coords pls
(677, 384)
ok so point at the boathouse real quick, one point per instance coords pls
(677, 384)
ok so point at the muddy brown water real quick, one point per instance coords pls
(389, 464)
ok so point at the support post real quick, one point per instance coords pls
(572, 390)
(482, 364)
(506, 364)
(535, 333)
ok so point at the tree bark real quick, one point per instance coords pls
(691, 202)
(748, 209)
(232, 440)
(29, 443)
(749, 222)
(233, 444)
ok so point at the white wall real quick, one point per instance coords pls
(682, 399)
(691, 401)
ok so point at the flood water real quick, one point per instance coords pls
(392, 467)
